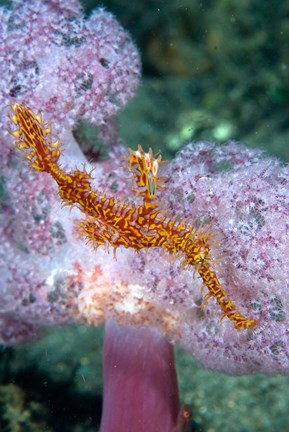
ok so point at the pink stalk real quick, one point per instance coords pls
(140, 383)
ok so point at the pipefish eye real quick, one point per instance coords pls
(155, 167)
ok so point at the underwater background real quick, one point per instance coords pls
(215, 71)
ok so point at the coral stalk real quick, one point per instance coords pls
(141, 391)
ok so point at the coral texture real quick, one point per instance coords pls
(70, 68)
(245, 196)
(65, 65)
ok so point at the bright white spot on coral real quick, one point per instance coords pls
(50, 281)
(51, 278)
(131, 302)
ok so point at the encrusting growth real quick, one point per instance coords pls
(109, 221)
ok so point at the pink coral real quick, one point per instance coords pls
(245, 196)
(65, 65)
(50, 277)
(70, 68)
